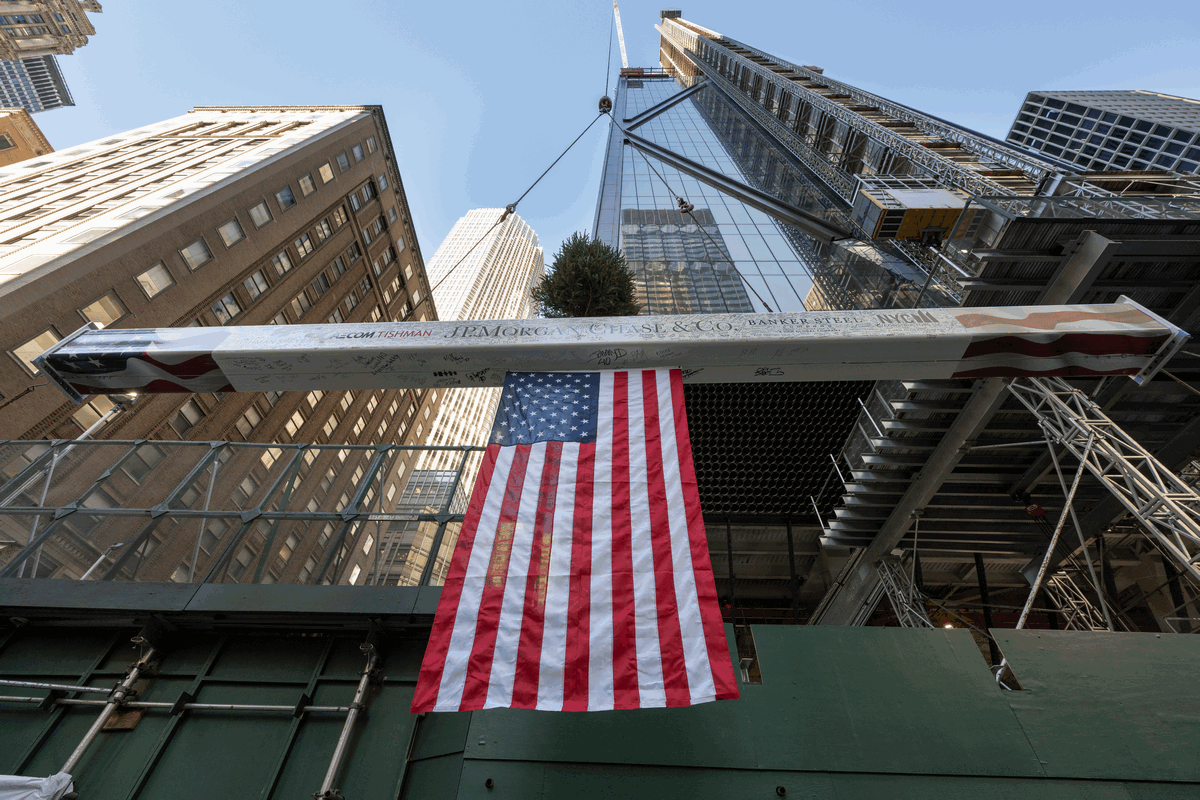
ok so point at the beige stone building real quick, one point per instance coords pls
(44, 27)
(245, 216)
(20, 137)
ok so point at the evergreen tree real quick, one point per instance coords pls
(589, 279)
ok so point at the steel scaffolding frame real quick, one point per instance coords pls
(902, 592)
(1166, 506)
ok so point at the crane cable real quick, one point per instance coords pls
(688, 211)
(509, 210)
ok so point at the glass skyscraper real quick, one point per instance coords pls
(34, 84)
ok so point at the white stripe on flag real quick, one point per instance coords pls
(462, 641)
(652, 692)
(554, 633)
(512, 609)
(695, 646)
(600, 625)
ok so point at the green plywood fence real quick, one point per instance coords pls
(840, 713)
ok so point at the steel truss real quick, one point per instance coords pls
(1167, 507)
(1079, 613)
(906, 599)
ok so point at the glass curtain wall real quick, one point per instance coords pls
(725, 256)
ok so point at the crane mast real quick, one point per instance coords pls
(620, 36)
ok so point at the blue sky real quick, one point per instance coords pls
(481, 97)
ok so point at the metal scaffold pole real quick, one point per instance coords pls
(116, 699)
(374, 662)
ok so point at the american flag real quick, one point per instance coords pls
(581, 579)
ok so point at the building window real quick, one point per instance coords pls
(351, 301)
(301, 304)
(231, 233)
(343, 162)
(140, 463)
(339, 216)
(324, 230)
(326, 172)
(279, 319)
(392, 214)
(186, 418)
(196, 254)
(294, 423)
(359, 155)
(382, 182)
(289, 547)
(307, 186)
(337, 317)
(378, 226)
(249, 421)
(364, 286)
(34, 348)
(303, 245)
(92, 411)
(354, 204)
(260, 215)
(368, 192)
(314, 397)
(226, 308)
(307, 572)
(285, 198)
(339, 267)
(107, 310)
(240, 562)
(321, 284)
(367, 235)
(255, 285)
(355, 252)
(371, 147)
(282, 262)
(354, 573)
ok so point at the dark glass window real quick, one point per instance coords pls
(1165, 161)
(1070, 119)
(1060, 140)
(1055, 103)
(1162, 130)
(1175, 148)
(1093, 113)
(1143, 126)
(1182, 136)
(1110, 117)
(1103, 128)
(1054, 151)
(1074, 109)
(1154, 143)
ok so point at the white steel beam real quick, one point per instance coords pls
(1114, 339)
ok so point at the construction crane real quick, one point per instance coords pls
(620, 36)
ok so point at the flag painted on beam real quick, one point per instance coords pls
(581, 579)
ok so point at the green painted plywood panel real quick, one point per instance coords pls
(717, 734)
(286, 657)
(227, 754)
(375, 756)
(441, 734)
(1105, 705)
(883, 700)
(433, 778)
(852, 699)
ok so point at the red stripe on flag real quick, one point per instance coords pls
(720, 661)
(575, 670)
(670, 638)
(479, 667)
(1063, 371)
(625, 672)
(1097, 344)
(430, 679)
(529, 650)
